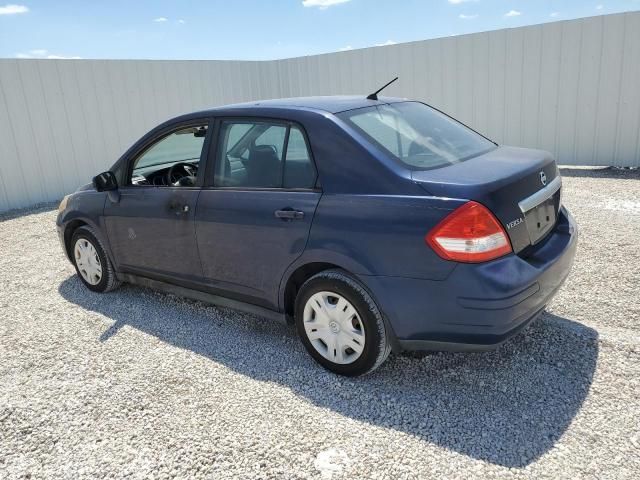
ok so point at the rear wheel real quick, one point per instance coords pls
(91, 261)
(340, 325)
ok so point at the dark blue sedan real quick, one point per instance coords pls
(373, 224)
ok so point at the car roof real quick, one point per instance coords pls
(331, 104)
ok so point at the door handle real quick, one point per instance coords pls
(289, 214)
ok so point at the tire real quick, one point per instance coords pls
(87, 264)
(329, 328)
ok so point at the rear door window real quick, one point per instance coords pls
(299, 171)
(263, 155)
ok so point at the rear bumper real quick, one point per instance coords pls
(478, 306)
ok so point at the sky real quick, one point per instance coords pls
(259, 29)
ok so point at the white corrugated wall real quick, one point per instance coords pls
(570, 87)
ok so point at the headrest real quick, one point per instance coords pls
(264, 154)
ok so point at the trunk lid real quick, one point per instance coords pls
(520, 186)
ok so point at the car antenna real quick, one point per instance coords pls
(374, 95)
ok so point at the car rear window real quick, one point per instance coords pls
(417, 135)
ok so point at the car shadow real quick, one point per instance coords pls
(507, 407)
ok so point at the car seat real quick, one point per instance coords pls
(263, 167)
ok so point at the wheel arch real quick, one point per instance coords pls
(69, 229)
(70, 225)
(295, 280)
(304, 270)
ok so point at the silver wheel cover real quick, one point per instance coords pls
(87, 261)
(334, 327)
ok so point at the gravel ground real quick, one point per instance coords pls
(142, 384)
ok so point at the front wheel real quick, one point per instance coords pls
(340, 325)
(91, 261)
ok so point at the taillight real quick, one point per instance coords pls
(469, 234)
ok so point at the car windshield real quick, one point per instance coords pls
(417, 135)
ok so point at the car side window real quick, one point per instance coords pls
(273, 136)
(262, 155)
(172, 160)
(299, 171)
(236, 132)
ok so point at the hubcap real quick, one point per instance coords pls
(88, 261)
(334, 327)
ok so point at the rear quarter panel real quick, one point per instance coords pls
(380, 234)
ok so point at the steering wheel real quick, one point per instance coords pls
(182, 174)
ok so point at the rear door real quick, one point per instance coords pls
(254, 217)
(151, 227)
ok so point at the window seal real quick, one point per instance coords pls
(260, 189)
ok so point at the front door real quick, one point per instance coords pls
(151, 226)
(254, 221)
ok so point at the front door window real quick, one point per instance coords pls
(171, 161)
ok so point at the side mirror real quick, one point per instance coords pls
(105, 182)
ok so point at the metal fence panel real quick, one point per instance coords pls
(568, 87)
